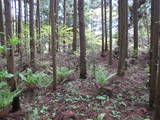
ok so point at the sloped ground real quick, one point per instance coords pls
(79, 99)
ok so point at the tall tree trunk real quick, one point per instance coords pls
(20, 29)
(126, 32)
(135, 21)
(32, 34)
(154, 49)
(122, 35)
(53, 4)
(38, 28)
(10, 53)
(110, 34)
(15, 20)
(64, 23)
(106, 29)
(83, 71)
(102, 22)
(64, 12)
(25, 12)
(157, 37)
(2, 37)
(74, 44)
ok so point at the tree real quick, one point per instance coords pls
(110, 34)
(156, 25)
(10, 53)
(53, 4)
(25, 12)
(32, 35)
(102, 22)
(2, 37)
(135, 22)
(20, 28)
(64, 23)
(83, 71)
(154, 49)
(64, 12)
(105, 25)
(74, 44)
(38, 28)
(123, 31)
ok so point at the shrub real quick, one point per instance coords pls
(64, 72)
(40, 79)
(6, 97)
(102, 76)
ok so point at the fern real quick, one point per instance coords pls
(102, 76)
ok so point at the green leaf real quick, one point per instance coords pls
(9, 75)
(101, 116)
(2, 48)
(3, 84)
(100, 97)
(14, 42)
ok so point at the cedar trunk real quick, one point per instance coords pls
(2, 37)
(110, 34)
(10, 53)
(135, 21)
(53, 4)
(102, 22)
(154, 50)
(74, 44)
(20, 29)
(105, 26)
(83, 71)
(123, 31)
(32, 35)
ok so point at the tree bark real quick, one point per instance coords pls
(110, 34)
(106, 29)
(10, 53)
(74, 44)
(64, 12)
(38, 28)
(123, 31)
(2, 37)
(20, 30)
(32, 34)
(102, 22)
(135, 22)
(83, 71)
(53, 4)
(157, 38)
(154, 50)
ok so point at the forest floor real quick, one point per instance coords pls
(127, 98)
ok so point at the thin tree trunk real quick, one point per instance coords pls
(38, 28)
(102, 22)
(110, 34)
(135, 21)
(106, 29)
(32, 35)
(74, 44)
(25, 11)
(64, 12)
(16, 25)
(10, 53)
(2, 37)
(20, 30)
(53, 37)
(83, 71)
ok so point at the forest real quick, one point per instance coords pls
(79, 60)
